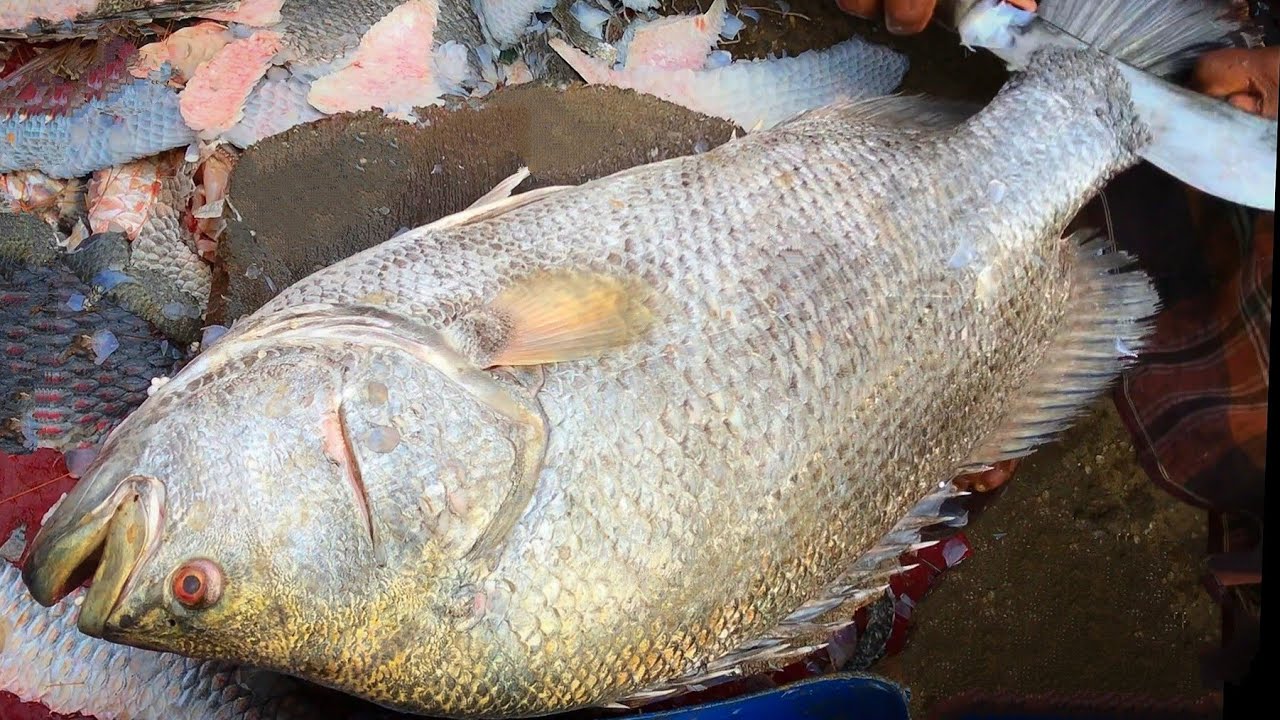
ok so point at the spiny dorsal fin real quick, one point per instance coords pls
(497, 201)
(502, 190)
(552, 317)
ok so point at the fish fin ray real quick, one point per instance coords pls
(1107, 319)
(898, 112)
(478, 212)
(552, 317)
(1161, 37)
(502, 190)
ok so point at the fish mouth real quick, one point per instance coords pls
(110, 541)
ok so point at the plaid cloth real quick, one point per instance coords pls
(1195, 404)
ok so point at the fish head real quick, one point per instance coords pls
(214, 521)
(255, 502)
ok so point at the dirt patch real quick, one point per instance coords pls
(1084, 579)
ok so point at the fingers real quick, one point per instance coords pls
(902, 17)
(988, 480)
(867, 9)
(907, 17)
(1246, 78)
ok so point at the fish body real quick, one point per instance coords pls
(757, 94)
(600, 443)
(137, 120)
(639, 517)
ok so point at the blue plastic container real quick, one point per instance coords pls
(843, 696)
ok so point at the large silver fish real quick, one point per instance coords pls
(594, 444)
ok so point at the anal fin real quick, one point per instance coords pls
(1107, 319)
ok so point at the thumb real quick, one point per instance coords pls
(1247, 78)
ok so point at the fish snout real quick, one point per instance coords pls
(104, 533)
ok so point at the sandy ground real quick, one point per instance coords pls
(1084, 578)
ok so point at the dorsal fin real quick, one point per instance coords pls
(496, 202)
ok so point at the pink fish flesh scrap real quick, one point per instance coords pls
(213, 100)
(673, 43)
(185, 50)
(50, 199)
(758, 93)
(394, 68)
(121, 198)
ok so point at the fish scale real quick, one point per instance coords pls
(52, 392)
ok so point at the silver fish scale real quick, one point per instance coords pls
(47, 660)
(848, 306)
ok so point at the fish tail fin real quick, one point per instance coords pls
(1108, 317)
(1204, 142)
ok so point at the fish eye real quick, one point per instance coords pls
(197, 584)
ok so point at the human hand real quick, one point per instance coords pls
(1248, 78)
(906, 17)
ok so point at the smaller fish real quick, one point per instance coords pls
(70, 126)
(757, 94)
(52, 392)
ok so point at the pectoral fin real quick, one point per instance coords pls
(552, 317)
